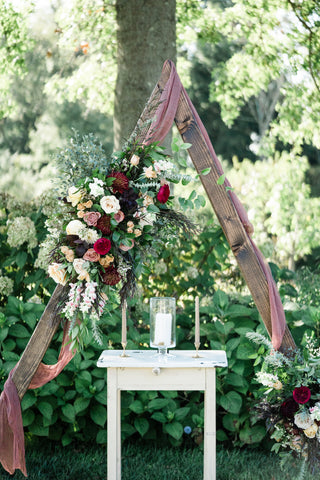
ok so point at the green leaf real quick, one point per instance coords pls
(19, 331)
(175, 429)
(98, 413)
(158, 403)
(231, 422)
(116, 237)
(221, 179)
(159, 417)
(28, 417)
(46, 409)
(142, 425)
(69, 412)
(205, 171)
(21, 259)
(81, 404)
(136, 406)
(181, 413)
(231, 402)
(253, 434)
(102, 436)
(153, 208)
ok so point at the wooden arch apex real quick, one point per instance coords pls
(226, 214)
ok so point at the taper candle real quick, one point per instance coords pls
(124, 323)
(197, 323)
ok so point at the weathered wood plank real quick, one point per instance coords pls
(38, 343)
(226, 213)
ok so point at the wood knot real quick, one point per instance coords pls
(185, 125)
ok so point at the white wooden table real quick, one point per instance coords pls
(142, 370)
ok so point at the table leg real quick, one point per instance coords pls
(114, 426)
(209, 460)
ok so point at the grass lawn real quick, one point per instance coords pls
(141, 462)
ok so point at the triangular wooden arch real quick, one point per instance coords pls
(226, 214)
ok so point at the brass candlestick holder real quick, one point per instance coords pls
(124, 354)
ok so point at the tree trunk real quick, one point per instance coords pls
(146, 38)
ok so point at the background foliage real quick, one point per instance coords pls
(73, 406)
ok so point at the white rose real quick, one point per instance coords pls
(75, 194)
(110, 204)
(74, 227)
(58, 273)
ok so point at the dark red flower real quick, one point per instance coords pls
(301, 394)
(289, 407)
(111, 276)
(103, 224)
(102, 246)
(163, 194)
(120, 182)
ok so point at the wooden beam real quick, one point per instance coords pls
(225, 211)
(38, 343)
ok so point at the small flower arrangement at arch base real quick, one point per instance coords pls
(289, 401)
(111, 219)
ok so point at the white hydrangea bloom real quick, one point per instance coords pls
(6, 286)
(21, 230)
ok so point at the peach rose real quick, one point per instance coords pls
(58, 273)
(119, 216)
(68, 253)
(137, 232)
(91, 218)
(147, 200)
(78, 265)
(91, 255)
(106, 261)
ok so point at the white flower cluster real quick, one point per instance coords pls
(21, 230)
(6, 286)
(73, 303)
(88, 297)
(269, 380)
(163, 165)
(96, 187)
(43, 259)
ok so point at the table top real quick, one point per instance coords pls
(150, 358)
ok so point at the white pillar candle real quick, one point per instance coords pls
(162, 332)
(197, 322)
(124, 323)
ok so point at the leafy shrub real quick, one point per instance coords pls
(73, 407)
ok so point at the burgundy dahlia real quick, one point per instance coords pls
(111, 276)
(301, 394)
(163, 194)
(102, 246)
(103, 224)
(120, 182)
(288, 408)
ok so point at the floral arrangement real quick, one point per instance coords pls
(290, 400)
(112, 218)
